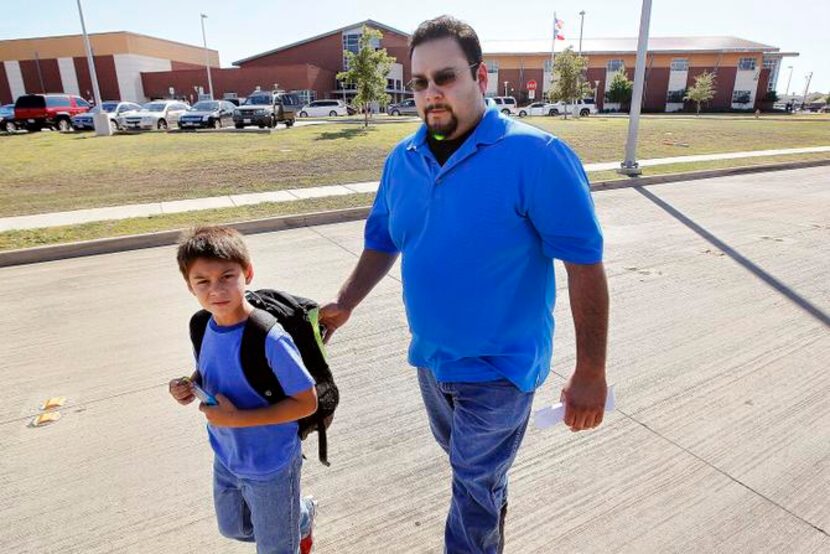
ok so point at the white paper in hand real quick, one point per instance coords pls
(551, 415)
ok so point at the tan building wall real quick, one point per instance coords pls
(59, 64)
(535, 61)
(104, 44)
(517, 69)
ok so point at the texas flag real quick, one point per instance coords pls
(557, 29)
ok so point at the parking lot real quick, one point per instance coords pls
(718, 347)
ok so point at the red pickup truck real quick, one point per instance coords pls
(36, 111)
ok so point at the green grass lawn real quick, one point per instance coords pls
(46, 172)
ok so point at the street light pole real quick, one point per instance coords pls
(100, 120)
(630, 166)
(787, 92)
(207, 58)
(806, 90)
(581, 24)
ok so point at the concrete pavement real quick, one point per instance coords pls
(76, 217)
(719, 348)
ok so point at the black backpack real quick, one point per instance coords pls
(298, 316)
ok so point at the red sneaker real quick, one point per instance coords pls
(306, 543)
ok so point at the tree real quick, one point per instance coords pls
(368, 69)
(620, 89)
(568, 82)
(703, 90)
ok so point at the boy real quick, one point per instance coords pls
(256, 470)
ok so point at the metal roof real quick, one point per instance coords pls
(627, 45)
(369, 22)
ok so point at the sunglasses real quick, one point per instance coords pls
(442, 78)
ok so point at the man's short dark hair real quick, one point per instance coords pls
(447, 26)
(213, 243)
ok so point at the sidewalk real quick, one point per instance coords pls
(77, 217)
(718, 347)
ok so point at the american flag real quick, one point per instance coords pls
(557, 28)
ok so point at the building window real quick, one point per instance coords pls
(615, 65)
(492, 66)
(351, 43)
(769, 64)
(675, 96)
(680, 64)
(741, 96)
(547, 65)
(746, 64)
(306, 96)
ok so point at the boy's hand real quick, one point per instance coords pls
(181, 391)
(224, 414)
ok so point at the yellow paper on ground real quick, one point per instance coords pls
(43, 419)
(54, 402)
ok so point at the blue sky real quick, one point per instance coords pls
(240, 29)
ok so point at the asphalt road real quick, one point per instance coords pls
(719, 348)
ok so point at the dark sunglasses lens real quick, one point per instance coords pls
(444, 78)
(417, 85)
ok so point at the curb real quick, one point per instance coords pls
(49, 253)
(704, 174)
(39, 254)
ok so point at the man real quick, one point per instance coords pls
(478, 206)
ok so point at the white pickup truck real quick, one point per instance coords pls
(583, 108)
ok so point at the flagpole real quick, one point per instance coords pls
(553, 53)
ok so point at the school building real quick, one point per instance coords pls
(307, 68)
(59, 64)
(745, 71)
(138, 68)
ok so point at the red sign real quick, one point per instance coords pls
(531, 85)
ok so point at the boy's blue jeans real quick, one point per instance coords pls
(480, 426)
(268, 512)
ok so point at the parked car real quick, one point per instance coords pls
(112, 108)
(36, 111)
(536, 108)
(267, 109)
(584, 107)
(7, 121)
(323, 108)
(214, 114)
(158, 114)
(407, 107)
(506, 105)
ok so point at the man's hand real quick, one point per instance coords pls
(224, 414)
(181, 391)
(333, 316)
(584, 399)
(370, 269)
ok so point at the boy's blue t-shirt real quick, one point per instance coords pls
(252, 452)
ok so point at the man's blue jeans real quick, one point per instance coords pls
(480, 426)
(268, 512)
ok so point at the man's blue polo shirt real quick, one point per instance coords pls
(478, 236)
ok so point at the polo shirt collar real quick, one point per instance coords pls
(489, 130)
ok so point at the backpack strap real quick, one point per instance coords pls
(322, 440)
(198, 327)
(252, 357)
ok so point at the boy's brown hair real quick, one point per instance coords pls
(214, 243)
